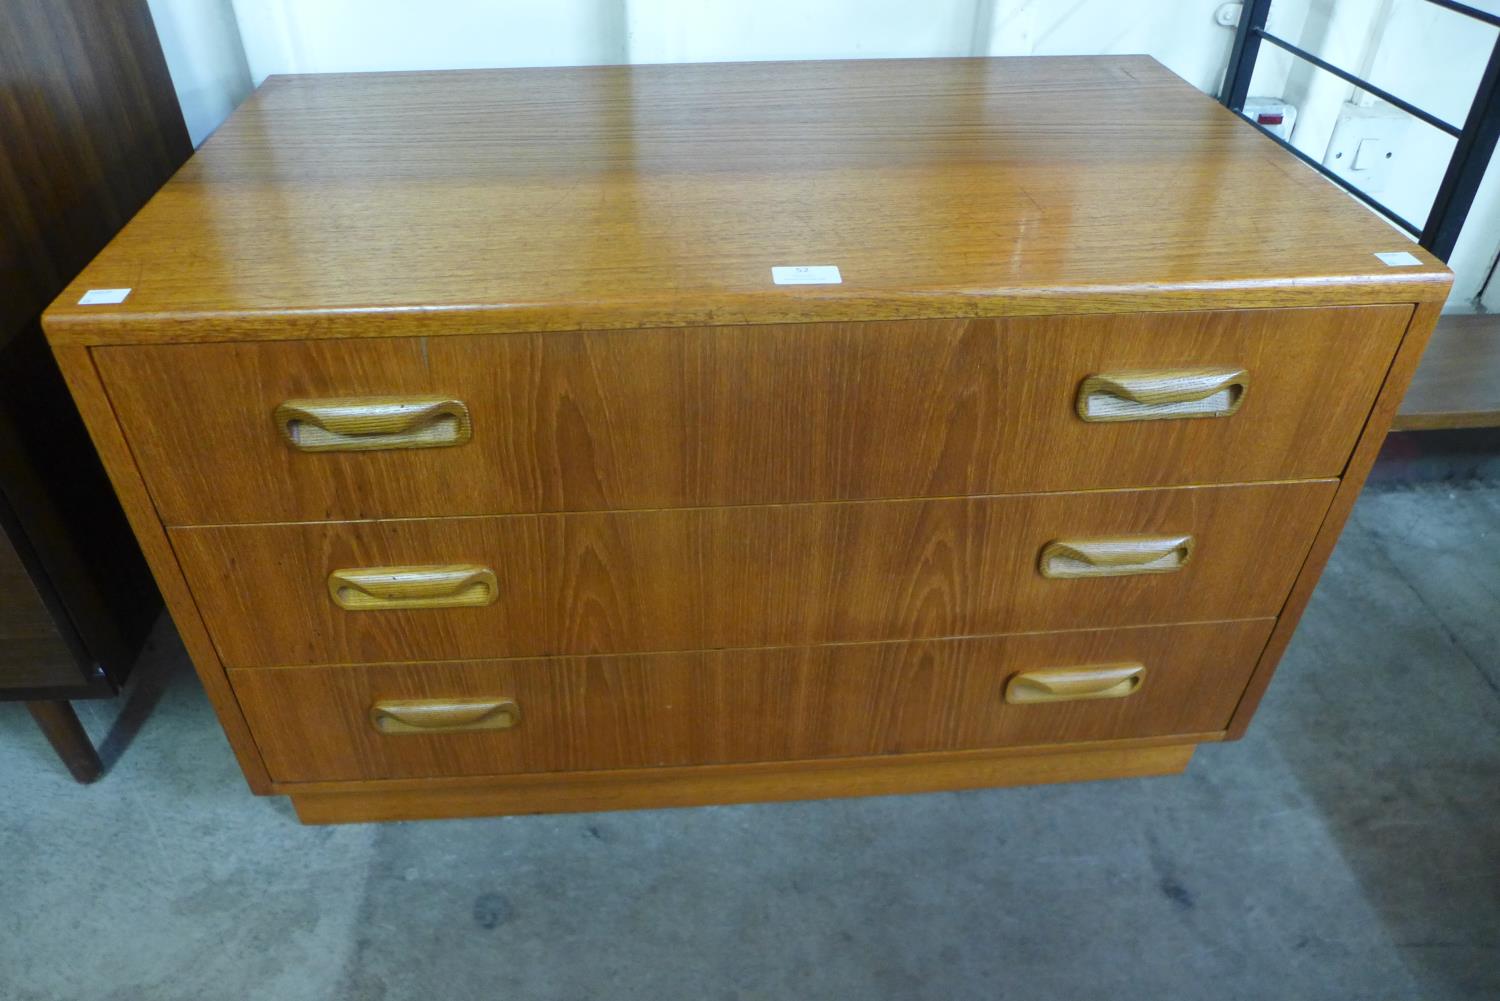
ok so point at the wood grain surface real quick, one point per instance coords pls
(88, 392)
(91, 129)
(1458, 383)
(755, 782)
(313, 723)
(1365, 452)
(746, 415)
(702, 578)
(631, 196)
(694, 487)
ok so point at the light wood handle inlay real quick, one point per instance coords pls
(372, 423)
(1115, 556)
(1074, 684)
(376, 588)
(1159, 394)
(444, 715)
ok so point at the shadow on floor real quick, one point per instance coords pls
(149, 681)
(1387, 710)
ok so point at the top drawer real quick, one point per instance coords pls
(743, 415)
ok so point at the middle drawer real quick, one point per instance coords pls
(784, 575)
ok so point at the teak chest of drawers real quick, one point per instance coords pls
(486, 467)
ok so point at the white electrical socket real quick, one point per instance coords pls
(1365, 143)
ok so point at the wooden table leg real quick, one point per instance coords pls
(67, 737)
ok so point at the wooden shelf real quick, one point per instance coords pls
(1458, 383)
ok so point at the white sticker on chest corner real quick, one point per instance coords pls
(103, 296)
(807, 274)
(1398, 259)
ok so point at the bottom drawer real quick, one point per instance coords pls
(710, 707)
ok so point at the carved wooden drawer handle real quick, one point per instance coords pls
(1074, 684)
(375, 588)
(371, 423)
(444, 715)
(1160, 394)
(1116, 556)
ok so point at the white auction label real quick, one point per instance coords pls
(807, 274)
(1399, 259)
(103, 296)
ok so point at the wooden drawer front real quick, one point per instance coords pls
(746, 415)
(576, 713)
(687, 579)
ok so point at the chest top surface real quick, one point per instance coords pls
(575, 198)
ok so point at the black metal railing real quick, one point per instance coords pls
(1474, 139)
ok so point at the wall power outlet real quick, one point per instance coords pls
(1365, 143)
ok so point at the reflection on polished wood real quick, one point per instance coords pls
(629, 196)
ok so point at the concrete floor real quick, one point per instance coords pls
(1348, 848)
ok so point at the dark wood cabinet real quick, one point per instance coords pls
(91, 130)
